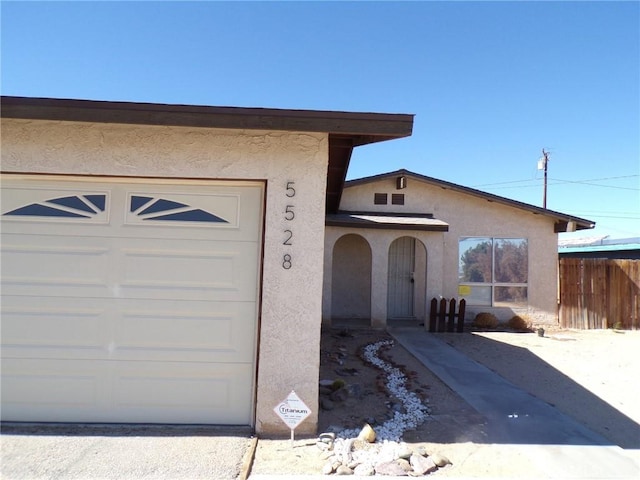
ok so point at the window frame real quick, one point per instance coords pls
(493, 284)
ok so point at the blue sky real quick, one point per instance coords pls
(490, 83)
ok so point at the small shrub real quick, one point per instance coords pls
(485, 320)
(337, 384)
(518, 324)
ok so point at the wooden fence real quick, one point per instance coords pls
(442, 319)
(599, 293)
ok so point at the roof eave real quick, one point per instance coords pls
(386, 226)
(346, 130)
(364, 128)
(563, 222)
(348, 219)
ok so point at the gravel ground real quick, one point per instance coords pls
(122, 452)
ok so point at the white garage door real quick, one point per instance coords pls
(129, 301)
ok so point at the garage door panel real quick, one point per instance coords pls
(94, 329)
(176, 212)
(205, 271)
(105, 211)
(178, 269)
(59, 390)
(224, 332)
(183, 392)
(171, 384)
(36, 202)
(52, 264)
(30, 383)
(52, 329)
(218, 272)
(65, 391)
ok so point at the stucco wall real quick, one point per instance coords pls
(291, 299)
(468, 216)
(351, 286)
(428, 257)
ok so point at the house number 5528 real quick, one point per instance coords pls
(289, 215)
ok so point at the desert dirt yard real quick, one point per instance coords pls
(588, 375)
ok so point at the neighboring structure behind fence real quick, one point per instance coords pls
(599, 293)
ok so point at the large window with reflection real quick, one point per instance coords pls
(493, 271)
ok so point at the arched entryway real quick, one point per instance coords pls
(351, 279)
(406, 279)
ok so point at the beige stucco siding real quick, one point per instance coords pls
(467, 215)
(291, 299)
(351, 266)
(379, 242)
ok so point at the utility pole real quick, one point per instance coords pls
(542, 165)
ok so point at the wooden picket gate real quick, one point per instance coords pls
(442, 319)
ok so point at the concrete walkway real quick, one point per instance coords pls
(557, 444)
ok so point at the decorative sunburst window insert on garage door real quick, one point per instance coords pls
(88, 206)
(155, 209)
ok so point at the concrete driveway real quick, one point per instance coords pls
(32, 452)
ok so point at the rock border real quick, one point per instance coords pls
(380, 451)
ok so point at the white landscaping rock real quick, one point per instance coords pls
(422, 465)
(364, 470)
(356, 448)
(367, 434)
(415, 411)
(440, 460)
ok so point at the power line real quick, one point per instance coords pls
(608, 211)
(606, 178)
(563, 182)
(608, 216)
(588, 182)
(535, 180)
(503, 183)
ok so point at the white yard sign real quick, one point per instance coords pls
(292, 411)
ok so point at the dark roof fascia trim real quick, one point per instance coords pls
(561, 218)
(385, 226)
(364, 128)
(339, 220)
(627, 254)
(388, 214)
